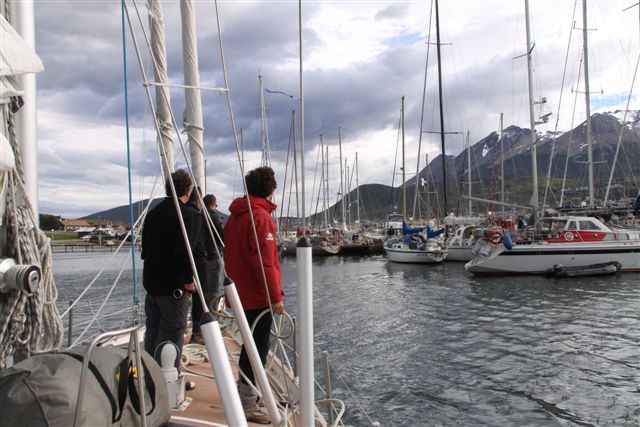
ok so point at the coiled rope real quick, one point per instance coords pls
(27, 321)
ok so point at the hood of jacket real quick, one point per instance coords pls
(240, 206)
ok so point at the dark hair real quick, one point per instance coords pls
(209, 199)
(181, 181)
(261, 182)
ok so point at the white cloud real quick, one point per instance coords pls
(360, 57)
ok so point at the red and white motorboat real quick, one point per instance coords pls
(567, 241)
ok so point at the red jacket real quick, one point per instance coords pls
(241, 255)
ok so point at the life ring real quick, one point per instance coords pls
(569, 236)
(495, 237)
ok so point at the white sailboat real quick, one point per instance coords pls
(414, 245)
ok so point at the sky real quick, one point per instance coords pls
(359, 59)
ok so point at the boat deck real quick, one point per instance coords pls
(205, 408)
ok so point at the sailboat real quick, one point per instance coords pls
(570, 241)
(28, 281)
(414, 244)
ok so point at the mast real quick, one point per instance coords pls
(444, 173)
(266, 157)
(534, 160)
(193, 104)
(24, 14)
(342, 192)
(348, 192)
(404, 188)
(469, 172)
(502, 164)
(587, 99)
(305, 281)
(357, 194)
(163, 99)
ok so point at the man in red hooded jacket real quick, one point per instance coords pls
(251, 261)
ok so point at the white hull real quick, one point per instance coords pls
(537, 258)
(460, 253)
(415, 256)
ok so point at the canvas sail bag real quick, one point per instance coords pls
(43, 390)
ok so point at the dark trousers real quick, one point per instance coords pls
(261, 336)
(214, 277)
(196, 304)
(166, 321)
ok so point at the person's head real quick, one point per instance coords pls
(182, 183)
(210, 201)
(261, 182)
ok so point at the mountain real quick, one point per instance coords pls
(569, 148)
(121, 213)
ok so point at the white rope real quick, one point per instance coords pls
(194, 354)
(29, 321)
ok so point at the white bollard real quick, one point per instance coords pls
(305, 332)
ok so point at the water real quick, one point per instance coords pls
(431, 345)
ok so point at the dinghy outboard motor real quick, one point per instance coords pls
(175, 382)
(18, 277)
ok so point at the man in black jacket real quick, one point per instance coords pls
(167, 274)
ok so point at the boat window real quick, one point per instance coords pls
(572, 225)
(588, 225)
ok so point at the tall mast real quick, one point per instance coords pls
(348, 191)
(404, 188)
(163, 99)
(357, 193)
(469, 172)
(501, 164)
(193, 104)
(444, 173)
(587, 99)
(264, 132)
(534, 160)
(342, 192)
(326, 187)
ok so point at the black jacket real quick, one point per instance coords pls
(166, 262)
(217, 224)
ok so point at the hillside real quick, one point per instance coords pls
(569, 148)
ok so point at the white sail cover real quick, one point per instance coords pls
(16, 57)
(7, 159)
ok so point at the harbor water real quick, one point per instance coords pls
(430, 345)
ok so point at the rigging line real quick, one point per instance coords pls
(286, 173)
(244, 183)
(624, 119)
(555, 129)
(313, 189)
(104, 302)
(136, 298)
(115, 253)
(393, 175)
(573, 116)
(424, 94)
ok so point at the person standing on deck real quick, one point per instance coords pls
(167, 273)
(200, 249)
(244, 265)
(214, 249)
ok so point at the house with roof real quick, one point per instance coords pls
(74, 224)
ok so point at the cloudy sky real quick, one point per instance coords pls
(360, 57)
